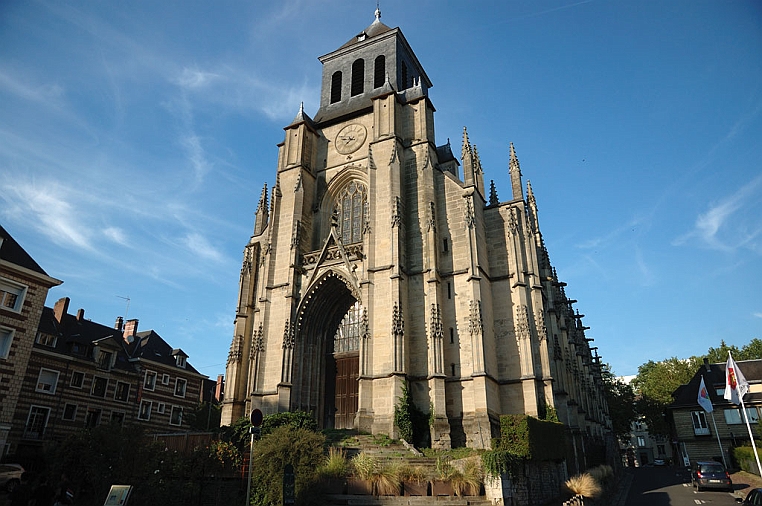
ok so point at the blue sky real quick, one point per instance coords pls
(135, 138)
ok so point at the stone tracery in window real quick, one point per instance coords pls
(351, 212)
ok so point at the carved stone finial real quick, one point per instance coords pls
(493, 200)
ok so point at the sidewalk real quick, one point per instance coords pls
(743, 482)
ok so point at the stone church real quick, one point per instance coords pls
(380, 259)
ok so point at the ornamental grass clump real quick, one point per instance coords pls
(469, 480)
(336, 464)
(386, 480)
(364, 466)
(583, 484)
(602, 474)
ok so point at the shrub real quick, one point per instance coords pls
(293, 419)
(583, 484)
(336, 464)
(499, 462)
(413, 474)
(301, 448)
(530, 438)
(386, 480)
(364, 465)
(469, 480)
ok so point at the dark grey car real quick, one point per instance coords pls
(710, 474)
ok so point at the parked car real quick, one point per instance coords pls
(710, 474)
(10, 476)
(753, 498)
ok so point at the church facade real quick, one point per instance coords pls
(380, 260)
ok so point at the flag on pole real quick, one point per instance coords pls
(703, 397)
(736, 385)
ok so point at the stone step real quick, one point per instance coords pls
(369, 500)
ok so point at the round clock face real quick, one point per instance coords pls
(350, 138)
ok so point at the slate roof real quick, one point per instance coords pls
(83, 333)
(686, 396)
(12, 252)
(151, 346)
(375, 28)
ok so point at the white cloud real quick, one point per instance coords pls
(199, 245)
(730, 223)
(116, 234)
(758, 314)
(46, 208)
(195, 79)
(48, 93)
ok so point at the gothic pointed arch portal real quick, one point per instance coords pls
(327, 352)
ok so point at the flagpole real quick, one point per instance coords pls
(722, 452)
(751, 436)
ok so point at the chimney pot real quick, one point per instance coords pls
(119, 324)
(80, 314)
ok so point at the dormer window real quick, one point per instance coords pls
(358, 77)
(180, 360)
(336, 87)
(361, 37)
(105, 360)
(46, 339)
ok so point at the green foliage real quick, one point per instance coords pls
(744, 456)
(654, 385)
(500, 462)
(750, 351)
(336, 464)
(205, 417)
(620, 398)
(300, 447)
(412, 423)
(293, 419)
(530, 438)
(364, 465)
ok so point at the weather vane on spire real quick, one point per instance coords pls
(378, 10)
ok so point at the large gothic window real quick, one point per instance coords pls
(358, 77)
(379, 71)
(351, 212)
(336, 87)
(347, 338)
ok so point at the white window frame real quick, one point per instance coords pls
(12, 288)
(700, 425)
(71, 381)
(6, 339)
(152, 386)
(161, 408)
(63, 414)
(116, 391)
(148, 411)
(181, 361)
(52, 386)
(47, 339)
(184, 384)
(176, 409)
(165, 379)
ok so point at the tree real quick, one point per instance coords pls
(621, 401)
(654, 385)
(205, 417)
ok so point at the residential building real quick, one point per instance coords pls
(24, 287)
(643, 448)
(380, 259)
(83, 374)
(700, 435)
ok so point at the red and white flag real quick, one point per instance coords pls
(736, 385)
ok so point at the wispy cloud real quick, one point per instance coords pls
(758, 314)
(46, 208)
(116, 235)
(715, 229)
(47, 93)
(199, 245)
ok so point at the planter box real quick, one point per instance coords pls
(356, 486)
(439, 487)
(415, 488)
(334, 486)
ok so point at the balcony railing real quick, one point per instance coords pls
(34, 433)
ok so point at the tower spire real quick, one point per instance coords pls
(514, 169)
(466, 156)
(262, 214)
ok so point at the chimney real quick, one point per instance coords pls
(220, 389)
(61, 308)
(80, 314)
(130, 329)
(119, 323)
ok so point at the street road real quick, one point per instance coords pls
(667, 486)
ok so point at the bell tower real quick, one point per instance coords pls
(373, 266)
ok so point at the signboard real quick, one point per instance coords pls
(289, 488)
(118, 495)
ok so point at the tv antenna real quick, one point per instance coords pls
(127, 310)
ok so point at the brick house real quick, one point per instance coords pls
(84, 374)
(23, 289)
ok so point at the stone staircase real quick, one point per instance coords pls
(392, 452)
